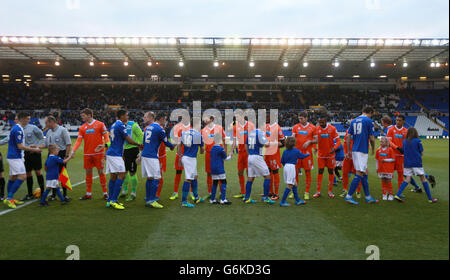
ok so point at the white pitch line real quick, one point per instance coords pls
(34, 200)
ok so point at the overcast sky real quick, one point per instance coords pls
(226, 18)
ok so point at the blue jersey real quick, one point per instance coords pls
(385, 130)
(15, 137)
(52, 163)
(218, 155)
(154, 135)
(339, 153)
(118, 134)
(361, 128)
(256, 140)
(191, 140)
(291, 156)
(413, 153)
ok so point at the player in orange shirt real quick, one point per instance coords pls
(208, 138)
(96, 138)
(325, 135)
(396, 134)
(385, 163)
(182, 125)
(240, 134)
(304, 141)
(274, 134)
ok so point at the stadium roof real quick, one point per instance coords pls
(223, 57)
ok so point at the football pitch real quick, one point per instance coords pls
(323, 229)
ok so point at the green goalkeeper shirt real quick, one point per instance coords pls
(135, 132)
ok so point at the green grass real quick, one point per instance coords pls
(322, 229)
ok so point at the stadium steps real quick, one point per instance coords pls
(426, 127)
(425, 109)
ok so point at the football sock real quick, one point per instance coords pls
(154, 189)
(30, 185)
(266, 186)
(40, 179)
(58, 192)
(427, 189)
(148, 185)
(134, 183)
(89, 179)
(2, 187)
(330, 182)
(248, 190)
(271, 182)
(242, 184)
(160, 184)
(384, 187)
(111, 189)
(223, 191)
(414, 183)
(287, 190)
(402, 188)
(118, 188)
(400, 179)
(185, 191)
(176, 184)
(195, 187)
(44, 195)
(365, 185)
(319, 182)
(125, 183)
(354, 185)
(8, 187)
(103, 182)
(389, 188)
(276, 178)
(294, 190)
(214, 190)
(307, 181)
(209, 182)
(16, 186)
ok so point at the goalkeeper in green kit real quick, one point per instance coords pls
(130, 155)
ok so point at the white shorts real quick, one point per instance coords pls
(289, 174)
(219, 177)
(190, 167)
(414, 171)
(16, 166)
(339, 163)
(385, 175)
(360, 161)
(150, 168)
(114, 165)
(52, 184)
(257, 166)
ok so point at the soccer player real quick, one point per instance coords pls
(362, 130)
(339, 157)
(413, 151)
(304, 141)
(4, 141)
(272, 157)
(208, 138)
(192, 141)
(385, 163)
(115, 164)
(154, 135)
(289, 160)
(256, 140)
(96, 138)
(347, 166)
(178, 129)
(33, 161)
(240, 134)
(326, 136)
(218, 156)
(130, 155)
(15, 158)
(52, 174)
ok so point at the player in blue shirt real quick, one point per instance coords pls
(413, 151)
(339, 157)
(362, 130)
(254, 145)
(52, 174)
(15, 158)
(154, 135)
(289, 160)
(114, 158)
(218, 156)
(192, 142)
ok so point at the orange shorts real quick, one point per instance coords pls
(177, 165)
(326, 162)
(162, 164)
(347, 166)
(305, 163)
(208, 162)
(97, 161)
(242, 161)
(399, 161)
(273, 162)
